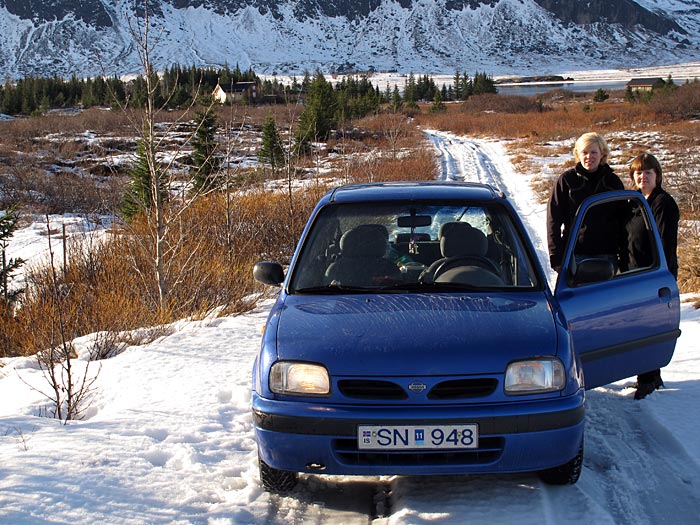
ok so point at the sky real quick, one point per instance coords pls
(168, 437)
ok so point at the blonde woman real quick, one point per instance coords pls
(590, 176)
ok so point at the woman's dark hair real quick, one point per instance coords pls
(646, 161)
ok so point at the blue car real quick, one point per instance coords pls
(415, 334)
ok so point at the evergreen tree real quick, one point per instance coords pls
(483, 83)
(8, 224)
(438, 105)
(467, 87)
(204, 144)
(409, 91)
(138, 196)
(396, 102)
(271, 151)
(600, 95)
(317, 119)
(457, 89)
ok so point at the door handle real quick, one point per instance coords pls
(664, 292)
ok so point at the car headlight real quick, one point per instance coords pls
(535, 376)
(288, 377)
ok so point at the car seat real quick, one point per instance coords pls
(362, 260)
(462, 245)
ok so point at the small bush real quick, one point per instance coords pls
(680, 103)
(689, 261)
(502, 104)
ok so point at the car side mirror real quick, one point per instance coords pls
(268, 272)
(593, 271)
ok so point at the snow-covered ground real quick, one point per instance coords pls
(168, 439)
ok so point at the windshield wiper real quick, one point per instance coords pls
(430, 287)
(334, 289)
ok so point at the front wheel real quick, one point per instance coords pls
(566, 474)
(275, 480)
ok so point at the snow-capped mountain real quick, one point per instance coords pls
(92, 37)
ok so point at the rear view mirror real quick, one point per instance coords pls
(267, 272)
(414, 221)
(593, 271)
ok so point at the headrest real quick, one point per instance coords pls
(368, 240)
(461, 238)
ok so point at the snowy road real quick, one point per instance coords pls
(169, 437)
(636, 470)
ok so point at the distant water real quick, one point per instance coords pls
(530, 89)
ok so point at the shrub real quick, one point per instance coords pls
(502, 104)
(680, 103)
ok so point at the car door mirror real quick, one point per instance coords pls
(592, 270)
(268, 272)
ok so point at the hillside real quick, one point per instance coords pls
(514, 37)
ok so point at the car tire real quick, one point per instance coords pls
(275, 480)
(566, 474)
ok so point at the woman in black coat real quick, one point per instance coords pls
(645, 172)
(591, 176)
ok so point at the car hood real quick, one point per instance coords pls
(421, 334)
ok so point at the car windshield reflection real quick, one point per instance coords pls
(410, 248)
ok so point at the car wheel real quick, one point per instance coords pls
(276, 480)
(566, 474)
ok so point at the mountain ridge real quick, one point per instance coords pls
(519, 37)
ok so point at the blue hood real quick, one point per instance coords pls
(421, 334)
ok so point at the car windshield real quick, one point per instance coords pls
(399, 247)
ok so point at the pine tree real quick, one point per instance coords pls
(457, 89)
(438, 105)
(483, 83)
(317, 119)
(396, 102)
(467, 87)
(204, 144)
(271, 151)
(409, 91)
(139, 195)
(600, 95)
(8, 224)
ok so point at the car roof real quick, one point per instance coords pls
(407, 191)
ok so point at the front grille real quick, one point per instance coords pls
(371, 389)
(490, 449)
(463, 388)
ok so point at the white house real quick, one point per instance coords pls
(237, 91)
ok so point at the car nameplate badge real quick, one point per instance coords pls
(417, 387)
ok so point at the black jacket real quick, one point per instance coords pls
(571, 189)
(666, 216)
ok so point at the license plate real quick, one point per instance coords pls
(423, 437)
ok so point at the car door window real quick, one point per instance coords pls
(617, 232)
(623, 320)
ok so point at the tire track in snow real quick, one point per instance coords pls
(635, 470)
(478, 160)
(326, 501)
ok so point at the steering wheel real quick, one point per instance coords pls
(467, 260)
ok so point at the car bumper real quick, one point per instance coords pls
(517, 437)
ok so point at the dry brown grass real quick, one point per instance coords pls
(107, 287)
(668, 127)
(689, 260)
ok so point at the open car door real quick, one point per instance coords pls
(624, 320)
